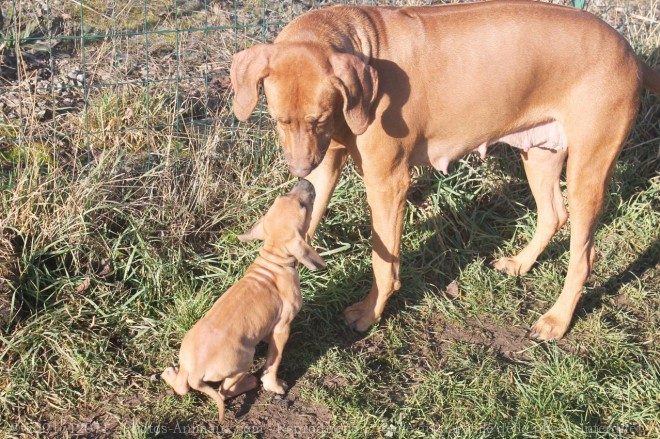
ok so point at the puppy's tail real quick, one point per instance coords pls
(650, 79)
(216, 395)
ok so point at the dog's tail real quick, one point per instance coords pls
(650, 79)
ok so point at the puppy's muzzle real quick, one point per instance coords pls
(305, 192)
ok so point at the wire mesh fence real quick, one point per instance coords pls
(148, 78)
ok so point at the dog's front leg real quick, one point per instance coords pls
(387, 188)
(276, 344)
(324, 179)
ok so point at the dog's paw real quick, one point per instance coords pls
(548, 327)
(276, 386)
(360, 316)
(509, 266)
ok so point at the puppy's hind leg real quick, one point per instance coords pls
(177, 379)
(241, 383)
(543, 168)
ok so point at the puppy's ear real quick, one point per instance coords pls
(248, 68)
(257, 232)
(358, 83)
(306, 255)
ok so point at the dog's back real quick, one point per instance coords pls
(571, 59)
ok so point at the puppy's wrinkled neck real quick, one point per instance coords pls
(273, 270)
(277, 259)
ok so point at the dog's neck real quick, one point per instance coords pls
(277, 259)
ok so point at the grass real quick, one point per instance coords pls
(113, 244)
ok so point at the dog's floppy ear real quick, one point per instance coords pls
(256, 233)
(248, 68)
(358, 83)
(306, 255)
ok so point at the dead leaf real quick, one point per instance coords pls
(106, 267)
(127, 114)
(452, 289)
(83, 286)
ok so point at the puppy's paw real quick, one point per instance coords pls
(275, 385)
(169, 373)
(510, 266)
(361, 315)
(549, 327)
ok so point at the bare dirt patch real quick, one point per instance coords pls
(256, 412)
(270, 416)
(507, 341)
(260, 413)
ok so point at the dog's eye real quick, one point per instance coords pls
(283, 121)
(315, 120)
(316, 124)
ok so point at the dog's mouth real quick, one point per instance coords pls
(302, 170)
(301, 166)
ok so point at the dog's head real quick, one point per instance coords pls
(285, 225)
(310, 91)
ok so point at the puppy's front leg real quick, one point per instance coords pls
(276, 344)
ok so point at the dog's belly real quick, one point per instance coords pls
(547, 135)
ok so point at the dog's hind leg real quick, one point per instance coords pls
(238, 384)
(595, 144)
(543, 168)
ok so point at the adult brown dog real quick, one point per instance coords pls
(220, 347)
(397, 87)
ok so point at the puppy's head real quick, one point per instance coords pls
(284, 226)
(310, 90)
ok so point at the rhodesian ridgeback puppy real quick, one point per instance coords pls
(398, 87)
(220, 347)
